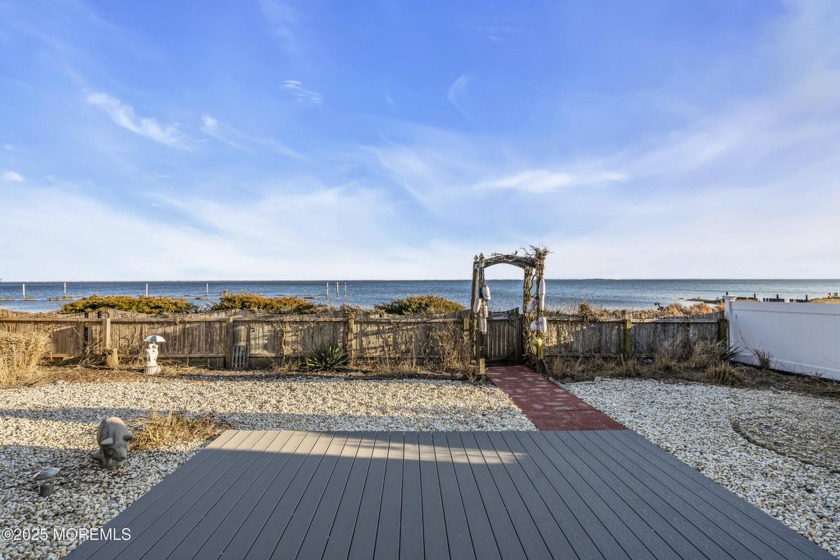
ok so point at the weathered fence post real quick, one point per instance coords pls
(627, 346)
(85, 334)
(723, 323)
(228, 338)
(350, 339)
(112, 359)
(106, 330)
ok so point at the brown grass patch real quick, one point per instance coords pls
(585, 367)
(158, 431)
(722, 373)
(20, 354)
(588, 312)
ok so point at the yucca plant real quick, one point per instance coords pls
(328, 358)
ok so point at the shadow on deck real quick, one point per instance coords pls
(576, 494)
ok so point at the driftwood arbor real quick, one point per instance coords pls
(533, 300)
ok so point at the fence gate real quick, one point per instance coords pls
(240, 343)
(503, 342)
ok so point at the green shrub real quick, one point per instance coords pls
(328, 358)
(419, 305)
(283, 304)
(152, 305)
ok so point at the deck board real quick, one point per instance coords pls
(234, 518)
(458, 538)
(586, 494)
(677, 520)
(434, 517)
(388, 530)
(543, 521)
(363, 538)
(230, 501)
(786, 542)
(307, 481)
(316, 533)
(582, 544)
(412, 543)
(727, 531)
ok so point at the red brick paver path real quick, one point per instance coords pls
(545, 404)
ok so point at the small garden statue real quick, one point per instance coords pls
(112, 437)
(151, 366)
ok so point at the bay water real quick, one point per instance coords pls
(506, 294)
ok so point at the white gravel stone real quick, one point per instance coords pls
(695, 423)
(54, 425)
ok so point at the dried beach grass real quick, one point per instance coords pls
(587, 367)
(705, 361)
(20, 354)
(671, 357)
(721, 373)
(158, 431)
(588, 312)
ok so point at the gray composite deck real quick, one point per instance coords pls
(587, 494)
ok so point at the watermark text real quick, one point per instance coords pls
(65, 534)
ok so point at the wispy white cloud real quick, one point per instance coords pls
(283, 21)
(212, 128)
(541, 181)
(303, 95)
(234, 231)
(235, 138)
(9, 147)
(498, 33)
(209, 125)
(11, 177)
(389, 100)
(123, 115)
(457, 93)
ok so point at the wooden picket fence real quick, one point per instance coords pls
(244, 341)
(240, 342)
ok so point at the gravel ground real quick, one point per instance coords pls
(780, 451)
(54, 425)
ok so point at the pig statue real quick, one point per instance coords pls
(112, 437)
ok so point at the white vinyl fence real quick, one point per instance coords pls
(796, 337)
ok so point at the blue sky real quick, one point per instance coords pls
(269, 139)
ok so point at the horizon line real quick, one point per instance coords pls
(323, 280)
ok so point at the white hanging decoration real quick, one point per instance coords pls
(542, 324)
(541, 293)
(532, 305)
(534, 326)
(485, 292)
(477, 305)
(482, 325)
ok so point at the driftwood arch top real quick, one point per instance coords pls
(522, 261)
(532, 262)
